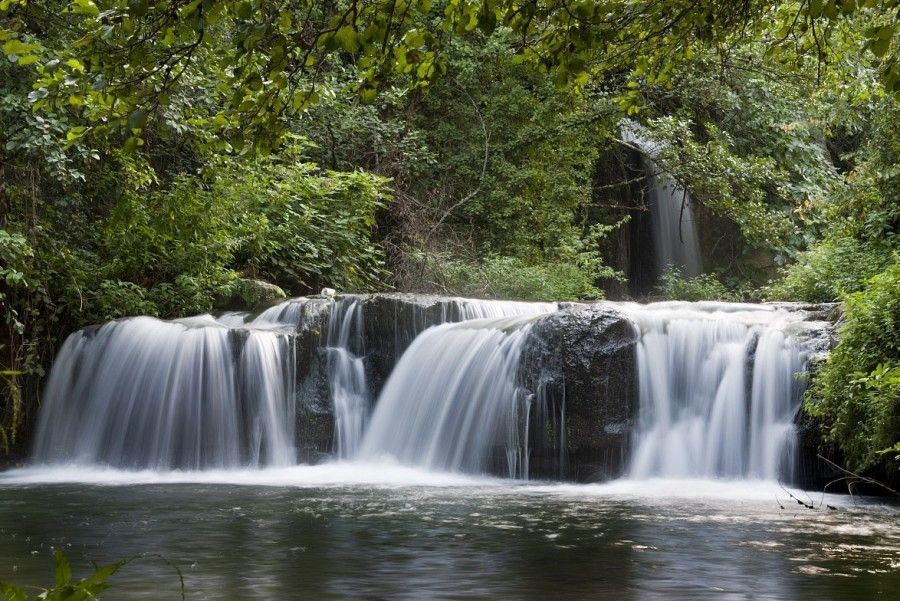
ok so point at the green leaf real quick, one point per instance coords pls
(815, 8)
(84, 7)
(75, 133)
(880, 46)
(244, 10)
(347, 38)
(63, 569)
(137, 119)
(12, 592)
(130, 145)
(368, 95)
(19, 47)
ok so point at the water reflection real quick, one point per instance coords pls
(414, 542)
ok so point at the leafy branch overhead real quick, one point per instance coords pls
(119, 61)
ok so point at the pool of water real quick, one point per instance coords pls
(382, 532)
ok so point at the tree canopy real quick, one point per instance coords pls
(116, 63)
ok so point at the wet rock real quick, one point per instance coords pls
(315, 415)
(580, 364)
(390, 324)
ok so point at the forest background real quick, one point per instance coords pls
(161, 157)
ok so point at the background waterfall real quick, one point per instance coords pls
(188, 394)
(718, 392)
(675, 241)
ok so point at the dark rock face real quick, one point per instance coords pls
(580, 364)
(391, 322)
(315, 414)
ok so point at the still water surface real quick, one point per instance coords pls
(376, 532)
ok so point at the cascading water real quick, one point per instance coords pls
(454, 402)
(347, 375)
(190, 394)
(717, 389)
(350, 393)
(675, 241)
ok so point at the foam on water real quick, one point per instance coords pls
(333, 474)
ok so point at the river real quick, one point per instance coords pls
(357, 531)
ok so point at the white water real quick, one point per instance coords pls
(675, 240)
(453, 400)
(717, 389)
(144, 393)
(347, 375)
(350, 393)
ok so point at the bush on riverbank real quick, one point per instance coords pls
(856, 393)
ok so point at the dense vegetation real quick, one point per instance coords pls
(155, 156)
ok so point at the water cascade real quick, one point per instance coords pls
(454, 402)
(345, 344)
(188, 394)
(675, 240)
(717, 390)
(347, 375)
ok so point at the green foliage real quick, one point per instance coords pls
(509, 278)
(862, 221)
(468, 161)
(267, 58)
(174, 250)
(572, 274)
(65, 588)
(856, 393)
(514, 153)
(835, 266)
(318, 225)
(706, 287)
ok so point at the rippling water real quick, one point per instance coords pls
(376, 532)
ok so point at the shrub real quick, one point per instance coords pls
(856, 394)
(675, 286)
(834, 267)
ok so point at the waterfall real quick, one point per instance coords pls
(716, 387)
(453, 402)
(345, 346)
(717, 390)
(187, 394)
(347, 374)
(675, 241)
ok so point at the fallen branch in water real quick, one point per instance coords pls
(809, 505)
(853, 478)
